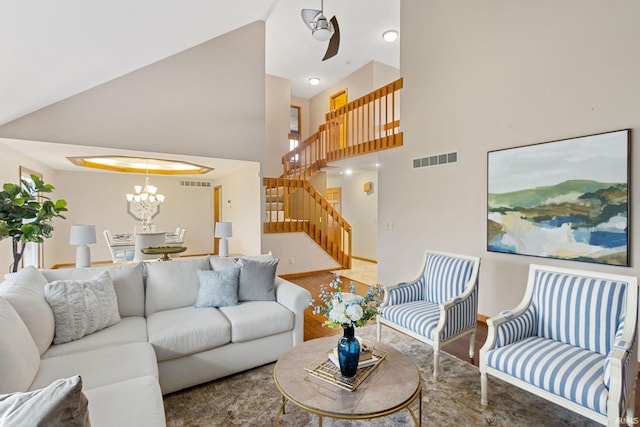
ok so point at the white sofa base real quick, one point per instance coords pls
(197, 368)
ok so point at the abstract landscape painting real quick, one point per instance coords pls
(564, 199)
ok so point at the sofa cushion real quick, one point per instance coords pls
(127, 281)
(173, 284)
(25, 292)
(128, 330)
(82, 307)
(218, 288)
(61, 403)
(181, 331)
(19, 355)
(256, 319)
(100, 367)
(218, 263)
(562, 369)
(257, 280)
(134, 402)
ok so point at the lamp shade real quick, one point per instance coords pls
(223, 229)
(82, 234)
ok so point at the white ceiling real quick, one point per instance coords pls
(50, 50)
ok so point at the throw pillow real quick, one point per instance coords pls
(62, 403)
(25, 292)
(221, 263)
(257, 280)
(82, 307)
(218, 288)
(19, 356)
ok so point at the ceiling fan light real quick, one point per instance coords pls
(390, 36)
(322, 29)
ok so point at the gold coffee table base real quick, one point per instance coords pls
(393, 386)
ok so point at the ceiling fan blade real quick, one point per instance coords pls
(334, 41)
(309, 16)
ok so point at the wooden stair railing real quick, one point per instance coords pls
(306, 210)
(370, 123)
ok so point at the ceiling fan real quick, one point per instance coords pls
(323, 29)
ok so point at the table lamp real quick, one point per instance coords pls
(223, 230)
(82, 235)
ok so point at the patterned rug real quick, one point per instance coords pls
(252, 399)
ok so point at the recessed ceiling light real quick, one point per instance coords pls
(390, 36)
(348, 172)
(314, 81)
(139, 165)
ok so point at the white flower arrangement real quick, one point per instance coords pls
(345, 309)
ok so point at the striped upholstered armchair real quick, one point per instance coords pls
(572, 340)
(440, 305)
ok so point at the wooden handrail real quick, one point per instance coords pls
(306, 210)
(368, 124)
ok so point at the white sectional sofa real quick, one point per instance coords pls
(162, 342)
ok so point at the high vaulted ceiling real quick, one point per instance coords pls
(50, 50)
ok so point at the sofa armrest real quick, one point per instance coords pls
(296, 299)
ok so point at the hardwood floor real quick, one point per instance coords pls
(459, 348)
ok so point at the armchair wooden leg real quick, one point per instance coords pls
(483, 390)
(472, 344)
(631, 409)
(436, 360)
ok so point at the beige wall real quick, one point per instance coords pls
(206, 101)
(360, 209)
(99, 198)
(278, 98)
(480, 76)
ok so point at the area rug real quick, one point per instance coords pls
(252, 399)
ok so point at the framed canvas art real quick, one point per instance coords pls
(566, 199)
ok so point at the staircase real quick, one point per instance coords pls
(367, 125)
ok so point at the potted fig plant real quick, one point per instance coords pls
(26, 214)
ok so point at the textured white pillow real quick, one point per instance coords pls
(25, 292)
(19, 356)
(62, 403)
(82, 307)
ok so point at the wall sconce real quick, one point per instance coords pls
(368, 187)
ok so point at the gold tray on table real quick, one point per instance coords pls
(164, 251)
(326, 370)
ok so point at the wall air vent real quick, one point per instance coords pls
(436, 160)
(194, 183)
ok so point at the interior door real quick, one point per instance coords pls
(217, 193)
(336, 101)
(334, 198)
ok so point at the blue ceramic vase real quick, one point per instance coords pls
(348, 352)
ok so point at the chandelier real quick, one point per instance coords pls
(144, 203)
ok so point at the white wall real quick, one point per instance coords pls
(205, 101)
(297, 253)
(360, 209)
(241, 192)
(480, 76)
(278, 100)
(99, 198)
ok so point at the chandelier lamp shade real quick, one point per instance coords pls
(144, 203)
(223, 230)
(147, 194)
(82, 235)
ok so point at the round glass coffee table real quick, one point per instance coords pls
(392, 386)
